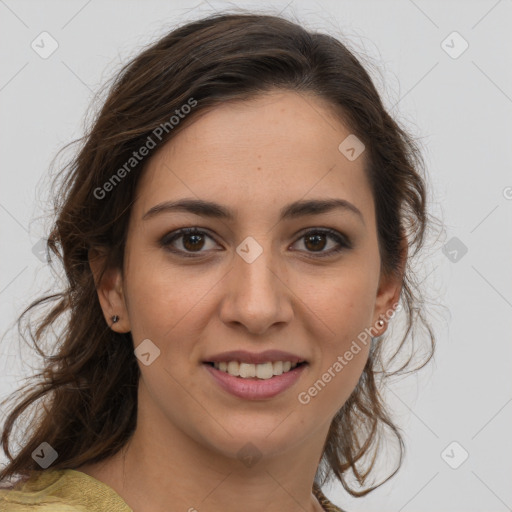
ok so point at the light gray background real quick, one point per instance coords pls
(461, 108)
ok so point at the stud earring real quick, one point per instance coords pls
(380, 323)
(115, 319)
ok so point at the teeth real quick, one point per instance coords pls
(261, 371)
(233, 368)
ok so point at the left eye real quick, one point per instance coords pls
(193, 240)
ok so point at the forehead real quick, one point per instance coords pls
(256, 155)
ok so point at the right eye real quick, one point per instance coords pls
(192, 241)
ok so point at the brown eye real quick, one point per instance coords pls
(192, 241)
(315, 241)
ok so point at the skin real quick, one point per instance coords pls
(254, 157)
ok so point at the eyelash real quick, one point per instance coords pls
(169, 238)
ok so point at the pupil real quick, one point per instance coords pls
(316, 238)
(193, 245)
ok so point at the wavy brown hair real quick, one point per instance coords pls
(85, 398)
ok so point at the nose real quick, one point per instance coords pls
(256, 295)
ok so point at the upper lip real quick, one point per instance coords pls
(255, 358)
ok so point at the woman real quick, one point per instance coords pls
(236, 231)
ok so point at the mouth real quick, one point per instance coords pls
(255, 381)
(261, 371)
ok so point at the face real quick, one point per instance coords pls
(307, 283)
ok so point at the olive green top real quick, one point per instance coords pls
(67, 490)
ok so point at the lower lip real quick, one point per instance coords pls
(256, 389)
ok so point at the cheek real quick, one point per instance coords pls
(345, 308)
(172, 308)
(347, 301)
(159, 294)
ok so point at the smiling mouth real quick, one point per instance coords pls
(262, 371)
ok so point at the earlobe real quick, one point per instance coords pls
(109, 288)
(390, 288)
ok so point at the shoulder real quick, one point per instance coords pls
(39, 492)
(63, 490)
(20, 501)
(15, 504)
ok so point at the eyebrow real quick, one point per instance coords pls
(291, 211)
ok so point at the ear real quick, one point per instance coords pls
(388, 293)
(110, 291)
